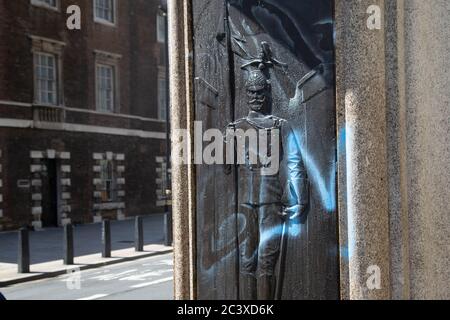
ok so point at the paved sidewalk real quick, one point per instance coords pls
(46, 248)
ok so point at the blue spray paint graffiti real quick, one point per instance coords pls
(324, 183)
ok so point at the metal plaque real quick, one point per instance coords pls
(266, 214)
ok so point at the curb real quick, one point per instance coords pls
(48, 275)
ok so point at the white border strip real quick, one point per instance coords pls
(15, 123)
(107, 114)
(15, 103)
(118, 115)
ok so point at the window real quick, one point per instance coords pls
(162, 98)
(47, 70)
(50, 4)
(161, 28)
(107, 176)
(107, 81)
(45, 79)
(104, 11)
(105, 88)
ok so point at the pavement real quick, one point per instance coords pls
(149, 278)
(46, 249)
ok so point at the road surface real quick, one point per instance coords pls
(145, 279)
(47, 245)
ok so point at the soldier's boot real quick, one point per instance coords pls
(248, 288)
(266, 288)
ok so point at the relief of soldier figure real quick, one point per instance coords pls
(267, 201)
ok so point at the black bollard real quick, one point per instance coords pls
(106, 239)
(139, 234)
(68, 245)
(24, 251)
(168, 237)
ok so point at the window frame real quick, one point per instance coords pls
(161, 28)
(37, 91)
(162, 94)
(51, 47)
(105, 179)
(103, 20)
(113, 68)
(43, 4)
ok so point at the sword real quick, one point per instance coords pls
(282, 260)
(231, 94)
(289, 214)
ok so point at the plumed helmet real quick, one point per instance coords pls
(256, 81)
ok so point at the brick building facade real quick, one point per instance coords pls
(82, 112)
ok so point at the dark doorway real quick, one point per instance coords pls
(50, 195)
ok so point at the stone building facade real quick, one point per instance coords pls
(82, 112)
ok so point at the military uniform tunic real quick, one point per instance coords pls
(262, 197)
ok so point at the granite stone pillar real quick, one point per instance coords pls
(183, 187)
(427, 151)
(361, 98)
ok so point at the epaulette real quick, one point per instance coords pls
(278, 121)
(315, 82)
(235, 123)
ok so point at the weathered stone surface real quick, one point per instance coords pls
(182, 185)
(402, 78)
(427, 83)
(361, 79)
